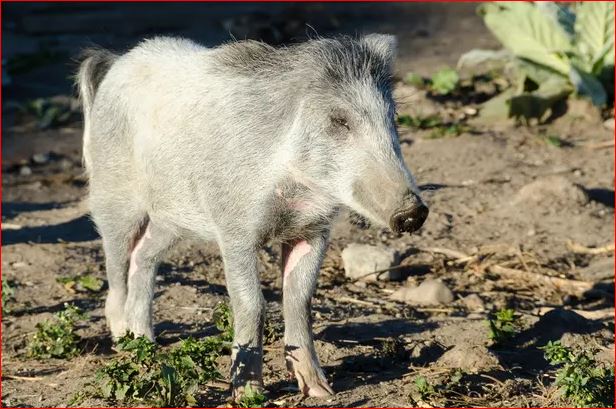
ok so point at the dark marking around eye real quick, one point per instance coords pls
(341, 122)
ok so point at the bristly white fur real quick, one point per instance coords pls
(239, 144)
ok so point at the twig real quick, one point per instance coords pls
(24, 378)
(599, 145)
(379, 272)
(448, 252)
(562, 283)
(356, 301)
(581, 249)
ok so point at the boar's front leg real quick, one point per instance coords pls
(248, 307)
(301, 261)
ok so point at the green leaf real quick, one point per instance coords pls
(482, 61)
(587, 85)
(538, 104)
(445, 81)
(413, 79)
(529, 34)
(594, 28)
(561, 14)
(90, 282)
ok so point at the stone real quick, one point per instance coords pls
(609, 124)
(359, 260)
(25, 171)
(551, 189)
(473, 302)
(429, 292)
(598, 270)
(469, 358)
(40, 158)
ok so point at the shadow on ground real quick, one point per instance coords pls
(77, 230)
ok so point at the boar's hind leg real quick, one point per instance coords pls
(118, 226)
(144, 259)
(248, 307)
(301, 262)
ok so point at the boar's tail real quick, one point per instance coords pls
(94, 65)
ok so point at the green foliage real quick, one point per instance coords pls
(57, 338)
(417, 122)
(568, 46)
(581, 379)
(424, 389)
(252, 398)
(84, 283)
(445, 81)
(223, 319)
(144, 373)
(415, 80)
(47, 112)
(503, 326)
(439, 127)
(7, 295)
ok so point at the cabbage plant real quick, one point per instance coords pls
(556, 48)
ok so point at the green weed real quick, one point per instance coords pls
(252, 398)
(423, 388)
(84, 283)
(7, 295)
(444, 81)
(415, 80)
(439, 127)
(57, 338)
(581, 379)
(503, 326)
(145, 373)
(223, 319)
(47, 112)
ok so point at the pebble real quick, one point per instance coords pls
(25, 171)
(598, 270)
(361, 259)
(469, 358)
(40, 158)
(609, 124)
(470, 111)
(473, 302)
(429, 292)
(549, 189)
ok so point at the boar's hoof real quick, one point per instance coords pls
(310, 377)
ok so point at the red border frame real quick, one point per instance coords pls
(226, 1)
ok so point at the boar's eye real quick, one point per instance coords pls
(341, 122)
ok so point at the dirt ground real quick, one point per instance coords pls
(505, 209)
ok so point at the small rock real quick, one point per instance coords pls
(469, 358)
(361, 259)
(597, 271)
(40, 158)
(550, 189)
(609, 124)
(65, 164)
(430, 292)
(25, 171)
(470, 111)
(473, 302)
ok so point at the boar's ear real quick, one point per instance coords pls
(383, 45)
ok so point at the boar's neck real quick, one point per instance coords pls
(297, 212)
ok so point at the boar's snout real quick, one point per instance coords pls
(410, 217)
